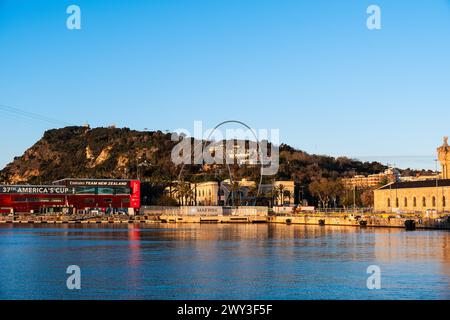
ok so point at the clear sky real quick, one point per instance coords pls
(310, 68)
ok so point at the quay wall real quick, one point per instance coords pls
(369, 221)
(213, 219)
(340, 219)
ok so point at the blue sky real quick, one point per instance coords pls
(310, 68)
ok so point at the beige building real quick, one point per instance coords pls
(372, 180)
(444, 159)
(288, 196)
(206, 193)
(418, 196)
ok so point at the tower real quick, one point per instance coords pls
(444, 159)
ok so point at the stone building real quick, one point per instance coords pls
(418, 196)
(206, 193)
(444, 159)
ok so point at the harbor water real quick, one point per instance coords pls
(222, 261)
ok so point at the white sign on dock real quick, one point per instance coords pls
(201, 211)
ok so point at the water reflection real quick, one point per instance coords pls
(222, 261)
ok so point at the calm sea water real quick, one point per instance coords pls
(225, 261)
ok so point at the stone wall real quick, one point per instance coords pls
(402, 200)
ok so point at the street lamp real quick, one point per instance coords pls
(437, 186)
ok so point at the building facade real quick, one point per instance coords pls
(444, 158)
(285, 193)
(372, 180)
(206, 193)
(71, 195)
(419, 196)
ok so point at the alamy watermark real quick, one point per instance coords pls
(374, 20)
(73, 21)
(74, 280)
(374, 280)
(242, 146)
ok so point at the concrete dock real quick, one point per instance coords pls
(362, 221)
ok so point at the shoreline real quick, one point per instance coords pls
(375, 221)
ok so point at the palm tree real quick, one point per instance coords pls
(279, 190)
(275, 196)
(267, 196)
(186, 193)
(252, 192)
(235, 191)
(287, 194)
(181, 191)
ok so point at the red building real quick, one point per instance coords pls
(74, 194)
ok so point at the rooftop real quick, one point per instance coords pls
(417, 184)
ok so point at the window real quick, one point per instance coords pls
(405, 202)
(85, 190)
(39, 200)
(424, 202)
(396, 203)
(389, 202)
(107, 200)
(443, 201)
(122, 190)
(434, 201)
(105, 191)
(414, 202)
(89, 200)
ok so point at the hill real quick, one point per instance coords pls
(112, 152)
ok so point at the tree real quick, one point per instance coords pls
(183, 192)
(287, 194)
(165, 200)
(235, 192)
(349, 197)
(384, 181)
(186, 193)
(326, 191)
(252, 193)
(279, 191)
(367, 198)
(358, 197)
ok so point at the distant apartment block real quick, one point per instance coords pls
(372, 180)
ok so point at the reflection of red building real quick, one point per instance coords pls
(80, 194)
